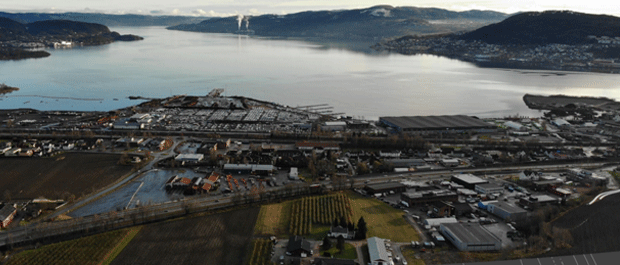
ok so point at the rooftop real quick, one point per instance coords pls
(469, 178)
(387, 185)
(376, 249)
(508, 207)
(470, 232)
(437, 122)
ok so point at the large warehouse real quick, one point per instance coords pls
(468, 180)
(470, 237)
(435, 123)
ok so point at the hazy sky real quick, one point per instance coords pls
(254, 7)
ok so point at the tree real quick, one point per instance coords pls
(335, 223)
(361, 229)
(343, 222)
(327, 244)
(340, 243)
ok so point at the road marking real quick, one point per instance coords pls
(521, 261)
(587, 262)
(595, 263)
(538, 261)
(575, 260)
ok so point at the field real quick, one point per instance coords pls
(58, 177)
(261, 252)
(97, 249)
(382, 220)
(592, 227)
(283, 219)
(409, 254)
(348, 252)
(221, 238)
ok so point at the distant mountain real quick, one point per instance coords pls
(358, 24)
(539, 28)
(104, 19)
(14, 36)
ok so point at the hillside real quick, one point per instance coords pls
(104, 19)
(540, 28)
(372, 23)
(14, 36)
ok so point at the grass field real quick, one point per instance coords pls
(97, 249)
(383, 221)
(348, 252)
(221, 238)
(58, 177)
(409, 254)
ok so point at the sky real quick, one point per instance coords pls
(257, 7)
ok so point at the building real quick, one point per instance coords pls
(309, 146)
(337, 231)
(385, 187)
(468, 181)
(390, 154)
(377, 252)
(299, 247)
(328, 261)
(190, 158)
(461, 209)
(6, 214)
(585, 177)
(248, 169)
(436, 222)
(470, 237)
(488, 188)
(407, 163)
(293, 174)
(423, 197)
(334, 126)
(507, 212)
(534, 202)
(455, 123)
(441, 209)
(450, 162)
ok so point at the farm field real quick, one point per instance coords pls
(261, 252)
(57, 177)
(382, 220)
(97, 249)
(221, 238)
(592, 227)
(286, 218)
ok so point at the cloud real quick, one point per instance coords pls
(176, 12)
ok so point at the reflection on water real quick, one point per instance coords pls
(285, 71)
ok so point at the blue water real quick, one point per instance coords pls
(289, 72)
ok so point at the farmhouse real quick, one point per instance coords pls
(299, 246)
(337, 231)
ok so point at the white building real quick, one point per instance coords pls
(470, 237)
(293, 174)
(189, 158)
(377, 252)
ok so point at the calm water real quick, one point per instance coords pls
(289, 72)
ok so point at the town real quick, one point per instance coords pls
(342, 190)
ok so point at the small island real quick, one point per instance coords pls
(4, 89)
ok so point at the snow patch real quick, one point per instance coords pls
(380, 12)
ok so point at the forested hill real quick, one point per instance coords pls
(369, 23)
(540, 28)
(104, 19)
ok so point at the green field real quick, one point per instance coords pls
(348, 252)
(383, 221)
(409, 254)
(97, 249)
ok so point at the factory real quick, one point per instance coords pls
(470, 237)
(446, 123)
(468, 181)
(385, 187)
(507, 212)
(423, 197)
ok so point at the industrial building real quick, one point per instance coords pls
(6, 215)
(507, 212)
(191, 158)
(436, 222)
(488, 188)
(422, 197)
(377, 252)
(385, 187)
(435, 123)
(470, 237)
(468, 180)
(248, 169)
(534, 202)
